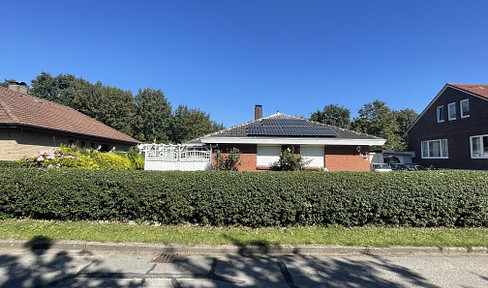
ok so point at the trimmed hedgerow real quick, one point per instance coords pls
(419, 199)
(9, 164)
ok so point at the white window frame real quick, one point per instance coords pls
(438, 114)
(451, 117)
(461, 108)
(481, 156)
(443, 154)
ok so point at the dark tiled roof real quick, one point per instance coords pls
(478, 89)
(22, 109)
(240, 130)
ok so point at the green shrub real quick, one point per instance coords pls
(290, 161)
(9, 164)
(417, 199)
(76, 157)
(229, 162)
(137, 160)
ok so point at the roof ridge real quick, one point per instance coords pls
(342, 129)
(239, 125)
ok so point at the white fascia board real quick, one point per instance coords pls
(292, 141)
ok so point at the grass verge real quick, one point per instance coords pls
(190, 234)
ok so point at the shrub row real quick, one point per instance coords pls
(420, 199)
(9, 164)
(74, 156)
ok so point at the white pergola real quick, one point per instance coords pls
(182, 157)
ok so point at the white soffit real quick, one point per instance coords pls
(292, 141)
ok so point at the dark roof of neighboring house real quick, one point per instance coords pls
(478, 89)
(25, 110)
(242, 130)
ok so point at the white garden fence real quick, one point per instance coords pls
(183, 157)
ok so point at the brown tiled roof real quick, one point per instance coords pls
(242, 129)
(22, 109)
(478, 89)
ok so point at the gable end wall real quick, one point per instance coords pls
(457, 132)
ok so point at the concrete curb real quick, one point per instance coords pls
(233, 249)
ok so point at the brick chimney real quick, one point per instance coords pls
(20, 87)
(258, 112)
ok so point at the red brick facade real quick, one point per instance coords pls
(346, 158)
(337, 158)
(248, 156)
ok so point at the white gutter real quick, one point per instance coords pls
(293, 141)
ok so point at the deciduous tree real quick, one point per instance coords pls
(154, 116)
(333, 115)
(191, 123)
(377, 119)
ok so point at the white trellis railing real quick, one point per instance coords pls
(184, 157)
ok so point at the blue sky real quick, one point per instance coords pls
(226, 56)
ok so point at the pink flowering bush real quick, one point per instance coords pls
(73, 156)
(47, 159)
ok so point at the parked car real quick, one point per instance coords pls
(390, 159)
(380, 167)
(399, 167)
(411, 167)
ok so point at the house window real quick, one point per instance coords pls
(314, 155)
(268, 156)
(479, 146)
(464, 108)
(440, 114)
(451, 111)
(435, 149)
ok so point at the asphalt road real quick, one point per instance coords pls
(70, 268)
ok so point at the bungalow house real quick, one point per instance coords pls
(262, 140)
(451, 131)
(29, 125)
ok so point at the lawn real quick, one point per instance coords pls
(193, 234)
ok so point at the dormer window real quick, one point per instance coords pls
(464, 108)
(451, 111)
(441, 115)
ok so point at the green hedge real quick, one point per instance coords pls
(9, 164)
(420, 199)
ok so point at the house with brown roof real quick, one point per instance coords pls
(262, 139)
(29, 125)
(451, 132)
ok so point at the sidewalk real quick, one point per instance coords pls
(63, 264)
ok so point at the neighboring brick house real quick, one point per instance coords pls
(262, 140)
(29, 125)
(452, 132)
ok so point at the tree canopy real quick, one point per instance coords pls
(333, 115)
(154, 119)
(192, 123)
(145, 117)
(377, 119)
